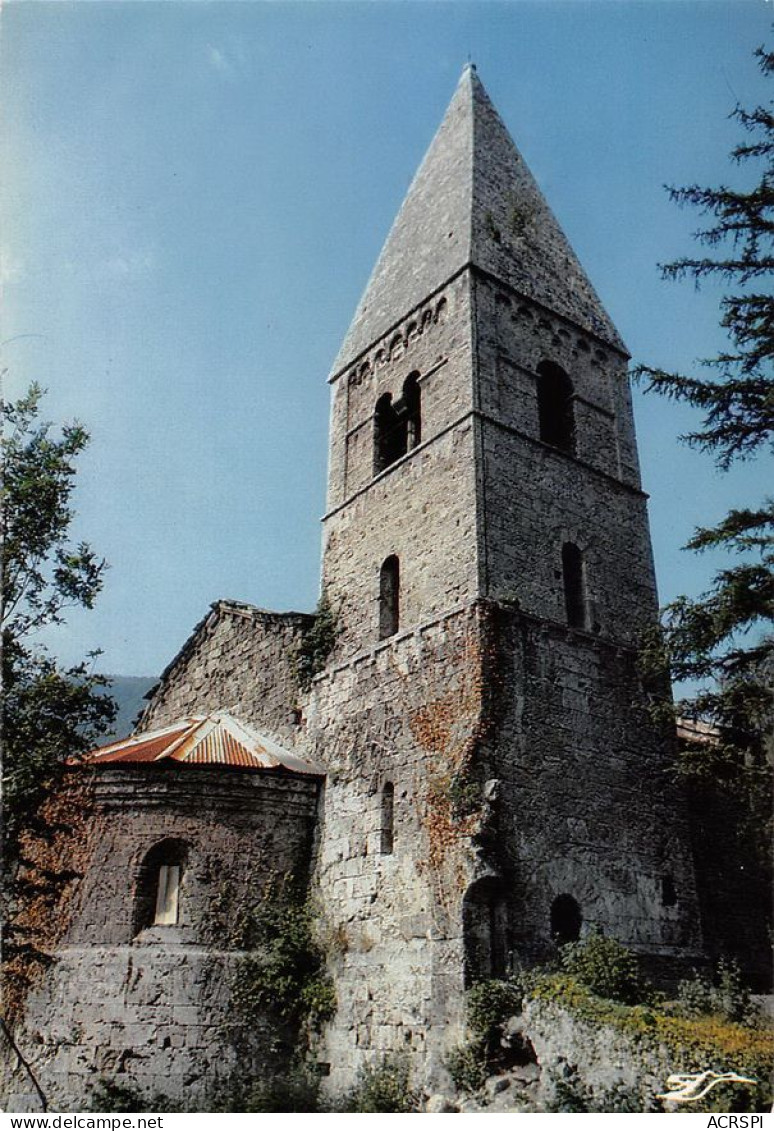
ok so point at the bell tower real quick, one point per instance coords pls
(487, 553)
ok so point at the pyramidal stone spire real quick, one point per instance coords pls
(474, 201)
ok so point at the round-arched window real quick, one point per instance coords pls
(157, 902)
(566, 919)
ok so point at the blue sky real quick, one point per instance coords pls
(195, 195)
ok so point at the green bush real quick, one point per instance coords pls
(467, 1066)
(297, 1089)
(110, 1096)
(285, 973)
(571, 1093)
(384, 1088)
(107, 1095)
(489, 1004)
(317, 643)
(606, 968)
(724, 995)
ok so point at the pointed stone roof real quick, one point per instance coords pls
(473, 200)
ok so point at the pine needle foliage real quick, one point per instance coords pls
(722, 639)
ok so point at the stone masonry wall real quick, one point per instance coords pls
(422, 507)
(608, 1063)
(407, 712)
(239, 659)
(585, 804)
(535, 497)
(150, 1008)
(513, 336)
(525, 532)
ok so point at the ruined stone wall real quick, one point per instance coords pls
(422, 507)
(585, 803)
(406, 712)
(238, 659)
(149, 1007)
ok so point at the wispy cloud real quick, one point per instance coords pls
(11, 267)
(123, 265)
(218, 60)
(226, 60)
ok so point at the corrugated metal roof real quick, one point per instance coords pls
(217, 739)
(694, 730)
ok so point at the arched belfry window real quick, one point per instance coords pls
(157, 902)
(389, 597)
(412, 400)
(566, 919)
(387, 819)
(555, 407)
(387, 438)
(573, 576)
(397, 424)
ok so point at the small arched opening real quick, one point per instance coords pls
(485, 925)
(387, 819)
(566, 919)
(573, 577)
(387, 437)
(389, 597)
(555, 407)
(668, 891)
(157, 901)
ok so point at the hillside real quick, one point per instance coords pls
(128, 692)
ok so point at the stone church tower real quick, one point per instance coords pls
(472, 774)
(494, 781)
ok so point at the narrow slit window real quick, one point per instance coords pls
(412, 401)
(389, 598)
(387, 837)
(555, 407)
(167, 895)
(574, 585)
(668, 891)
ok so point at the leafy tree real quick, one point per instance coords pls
(722, 639)
(48, 712)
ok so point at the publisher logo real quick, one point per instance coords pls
(687, 1089)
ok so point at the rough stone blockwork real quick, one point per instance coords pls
(405, 714)
(238, 658)
(585, 805)
(493, 781)
(149, 1005)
